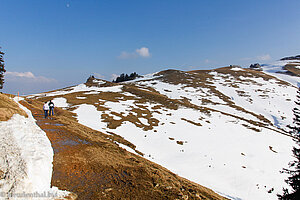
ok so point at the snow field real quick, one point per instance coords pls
(222, 155)
(275, 102)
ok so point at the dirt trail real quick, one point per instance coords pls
(93, 167)
(64, 144)
(69, 169)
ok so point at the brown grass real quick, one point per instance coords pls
(9, 107)
(194, 123)
(134, 116)
(152, 96)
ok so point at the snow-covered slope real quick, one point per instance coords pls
(26, 160)
(277, 69)
(224, 128)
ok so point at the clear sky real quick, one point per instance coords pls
(52, 44)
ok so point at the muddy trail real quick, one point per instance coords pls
(94, 167)
(70, 171)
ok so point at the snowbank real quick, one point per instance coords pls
(26, 160)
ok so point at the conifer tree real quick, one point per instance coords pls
(296, 111)
(125, 77)
(294, 167)
(2, 69)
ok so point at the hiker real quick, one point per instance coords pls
(46, 109)
(51, 106)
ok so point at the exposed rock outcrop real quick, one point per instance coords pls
(256, 66)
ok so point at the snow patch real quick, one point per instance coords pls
(60, 102)
(88, 115)
(237, 69)
(80, 97)
(100, 82)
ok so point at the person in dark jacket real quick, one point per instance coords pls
(51, 107)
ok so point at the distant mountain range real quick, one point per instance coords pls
(291, 58)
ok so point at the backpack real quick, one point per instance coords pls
(51, 105)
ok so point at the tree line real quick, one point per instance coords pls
(125, 77)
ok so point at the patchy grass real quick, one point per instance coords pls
(121, 171)
(202, 79)
(141, 93)
(248, 73)
(100, 169)
(152, 96)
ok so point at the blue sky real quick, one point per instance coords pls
(51, 44)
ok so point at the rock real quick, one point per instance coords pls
(90, 79)
(169, 187)
(256, 66)
(108, 189)
(233, 66)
